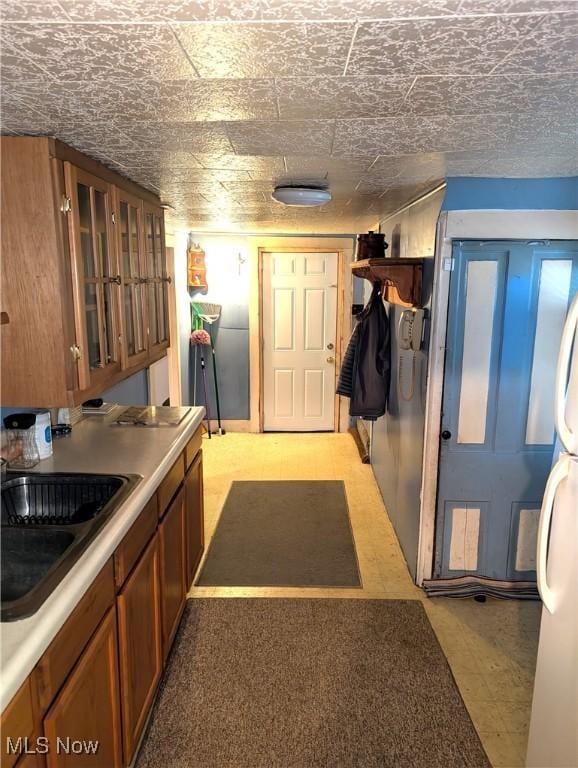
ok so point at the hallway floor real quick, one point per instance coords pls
(490, 647)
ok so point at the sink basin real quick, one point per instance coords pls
(47, 521)
(27, 556)
(56, 499)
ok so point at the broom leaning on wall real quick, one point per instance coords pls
(201, 313)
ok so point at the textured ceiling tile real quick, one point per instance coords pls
(14, 67)
(257, 166)
(328, 165)
(199, 100)
(99, 51)
(552, 46)
(354, 9)
(234, 10)
(328, 97)
(239, 187)
(172, 100)
(515, 6)
(266, 50)
(136, 10)
(18, 113)
(408, 134)
(31, 10)
(178, 136)
(469, 45)
(157, 160)
(166, 10)
(516, 164)
(498, 93)
(286, 137)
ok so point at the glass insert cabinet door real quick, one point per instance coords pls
(157, 278)
(96, 280)
(133, 316)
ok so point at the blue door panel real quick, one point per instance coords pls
(503, 475)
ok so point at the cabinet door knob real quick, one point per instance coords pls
(446, 434)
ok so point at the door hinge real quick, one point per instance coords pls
(449, 265)
(65, 204)
(113, 217)
(75, 352)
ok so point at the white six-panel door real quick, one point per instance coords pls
(299, 328)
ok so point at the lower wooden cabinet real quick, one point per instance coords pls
(139, 640)
(32, 760)
(96, 681)
(87, 709)
(194, 517)
(172, 547)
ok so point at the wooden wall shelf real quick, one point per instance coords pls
(401, 279)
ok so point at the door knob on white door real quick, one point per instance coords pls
(330, 359)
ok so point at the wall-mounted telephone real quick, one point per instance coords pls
(409, 335)
(411, 329)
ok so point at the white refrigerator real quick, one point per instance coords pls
(553, 740)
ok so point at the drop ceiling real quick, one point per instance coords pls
(211, 103)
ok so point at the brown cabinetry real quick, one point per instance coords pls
(140, 652)
(95, 277)
(194, 517)
(87, 709)
(132, 263)
(172, 546)
(98, 677)
(157, 279)
(84, 272)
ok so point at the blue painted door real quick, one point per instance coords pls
(507, 305)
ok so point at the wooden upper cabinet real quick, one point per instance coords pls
(157, 279)
(88, 705)
(37, 329)
(84, 275)
(132, 263)
(96, 279)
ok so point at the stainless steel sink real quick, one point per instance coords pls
(47, 521)
(56, 499)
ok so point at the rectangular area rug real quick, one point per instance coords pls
(308, 683)
(294, 533)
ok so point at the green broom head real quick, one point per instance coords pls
(207, 312)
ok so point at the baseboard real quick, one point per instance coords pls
(232, 425)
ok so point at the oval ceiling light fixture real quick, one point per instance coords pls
(301, 196)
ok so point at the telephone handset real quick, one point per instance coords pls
(411, 329)
(410, 332)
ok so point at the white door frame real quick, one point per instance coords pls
(343, 328)
(466, 225)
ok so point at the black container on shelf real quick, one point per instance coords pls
(370, 246)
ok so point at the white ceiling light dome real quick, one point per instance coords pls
(301, 196)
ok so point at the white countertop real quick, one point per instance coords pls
(93, 446)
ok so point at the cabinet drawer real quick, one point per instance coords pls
(170, 484)
(193, 447)
(135, 541)
(17, 721)
(56, 663)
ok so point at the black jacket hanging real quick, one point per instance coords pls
(365, 370)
